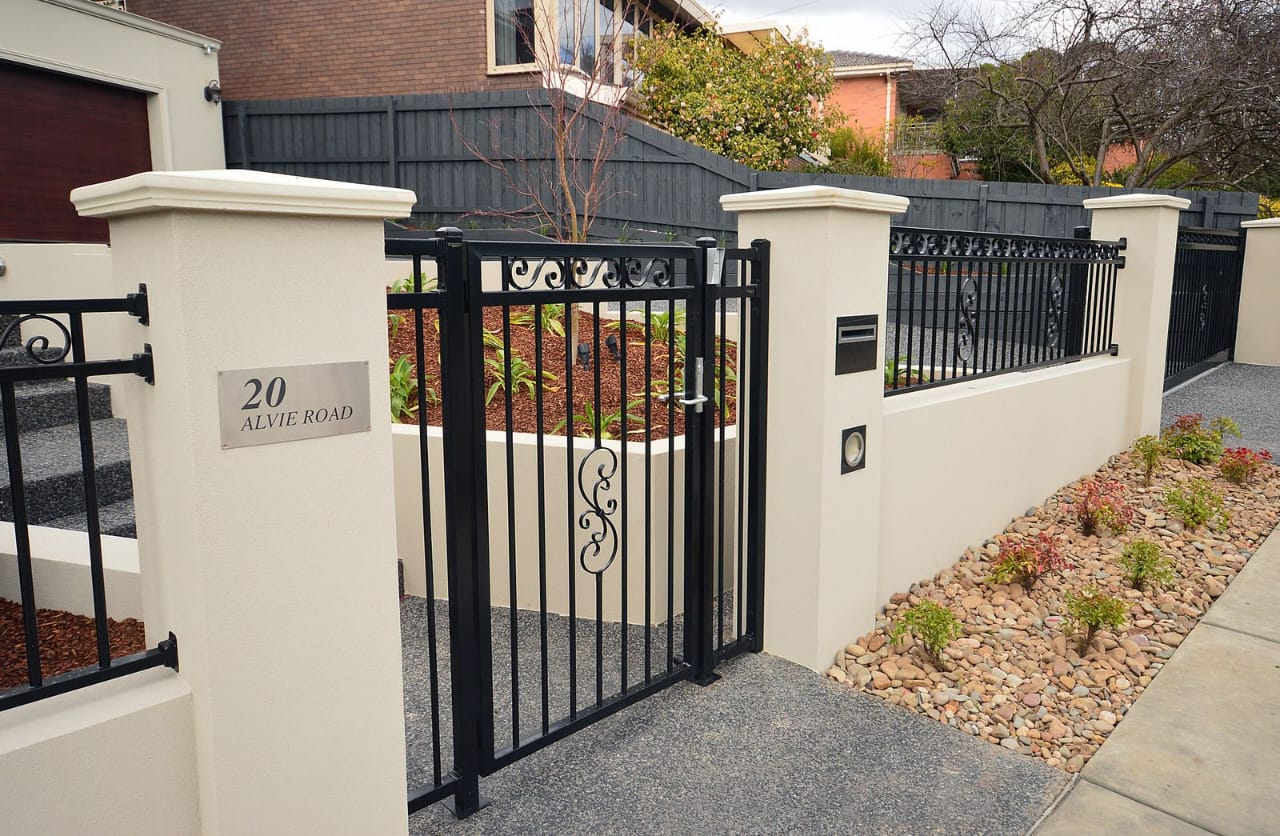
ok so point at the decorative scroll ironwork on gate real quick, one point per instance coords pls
(56, 351)
(1205, 304)
(593, 417)
(970, 304)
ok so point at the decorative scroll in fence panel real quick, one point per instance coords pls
(55, 332)
(967, 304)
(599, 409)
(1206, 302)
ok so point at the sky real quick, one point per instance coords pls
(878, 26)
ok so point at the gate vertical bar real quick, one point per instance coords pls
(699, 440)
(465, 519)
(758, 396)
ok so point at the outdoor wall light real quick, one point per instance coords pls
(853, 449)
(213, 92)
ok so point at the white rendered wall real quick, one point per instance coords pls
(961, 460)
(411, 543)
(115, 759)
(1257, 335)
(60, 570)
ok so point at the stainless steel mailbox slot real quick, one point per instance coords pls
(856, 343)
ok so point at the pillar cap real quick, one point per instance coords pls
(257, 192)
(814, 197)
(1261, 223)
(1138, 201)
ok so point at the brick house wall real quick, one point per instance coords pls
(321, 48)
(862, 100)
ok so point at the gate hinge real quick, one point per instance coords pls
(1114, 350)
(144, 365)
(169, 650)
(138, 305)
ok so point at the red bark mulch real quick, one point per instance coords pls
(523, 342)
(67, 642)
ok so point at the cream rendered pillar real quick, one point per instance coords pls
(829, 258)
(274, 565)
(1144, 288)
(1257, 335)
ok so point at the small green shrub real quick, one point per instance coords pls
(901, 371)
(1197, 503)
(394, 321)
(1240, 464)
(1025, 561)
(1090, 611)
(585, 421)
(405, 285)
(1145, 565)
(932, 625)
(1148, 449)
(403, 384)
(1100, 502)
(551, 318)
(662, 323)
(1188, 438)
(523, 376)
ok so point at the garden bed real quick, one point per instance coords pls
(1014, 676)
(615, 395)
(67, 642)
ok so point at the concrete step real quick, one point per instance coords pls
(52, 403)
(116, 518)
(52, 474)
(16, 355)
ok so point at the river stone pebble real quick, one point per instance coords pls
(1015, 676)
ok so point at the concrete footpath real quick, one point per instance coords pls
(1200, 751)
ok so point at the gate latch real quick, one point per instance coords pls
(696, 399)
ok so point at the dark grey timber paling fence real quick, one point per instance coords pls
(506, 680)
(662, 184)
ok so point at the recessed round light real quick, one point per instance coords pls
(855, 447)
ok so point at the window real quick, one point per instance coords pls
(599, 36)
(513, 32)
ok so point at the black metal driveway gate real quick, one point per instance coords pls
(1206, 302)
(601, 478)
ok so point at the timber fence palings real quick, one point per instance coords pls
(660, 184)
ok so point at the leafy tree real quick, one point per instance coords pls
(1192, 87)
(758, 109)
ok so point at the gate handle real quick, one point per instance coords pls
(698, 398)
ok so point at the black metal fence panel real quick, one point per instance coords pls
(661, 186)
(965, 304)
(1205, 304)
(600, 410)
(46, 359)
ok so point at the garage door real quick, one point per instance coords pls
(61, 132)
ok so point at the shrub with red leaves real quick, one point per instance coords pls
(1026, 560)
(1100, 503)
(1240, 464)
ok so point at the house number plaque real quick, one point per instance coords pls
(292, 403)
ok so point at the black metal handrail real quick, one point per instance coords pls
(48, 361)
(964, 305)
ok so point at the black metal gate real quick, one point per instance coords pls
(591, 429)
(1206, 301)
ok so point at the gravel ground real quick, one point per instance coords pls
(1248, 394)
(769, 748)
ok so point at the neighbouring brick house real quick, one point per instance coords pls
(866, 90)
(332, 48)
